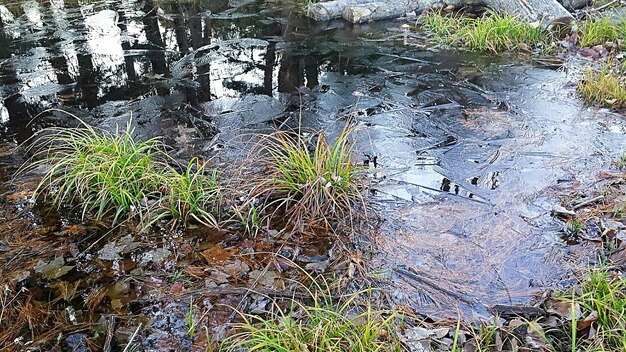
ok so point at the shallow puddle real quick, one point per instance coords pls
(466, 152)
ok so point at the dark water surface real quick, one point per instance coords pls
(467, 152)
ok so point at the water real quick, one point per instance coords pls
(467, 153)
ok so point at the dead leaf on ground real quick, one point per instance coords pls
(564, 309)
(218, 255)
(196, 271)
(586, 323)
(177, 288)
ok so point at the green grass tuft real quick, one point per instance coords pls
(112, 175)
(599, 31)
(312, 181)
(491, 32)
(320, 327)
(606, 87)
(190, 195)
(604, 295)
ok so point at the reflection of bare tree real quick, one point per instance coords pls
(153, 34)
(122, 23)
(19, 115)
(290, 74)
(295, 67)
(199, 38)
(270, 61)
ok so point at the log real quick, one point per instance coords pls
(572, 5)
(358, 11)
(544, 11)
(325, 11)
(377, 11)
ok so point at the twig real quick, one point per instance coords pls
(586, 202)
(132, 338)
(607, 5)
(219, 291)
(109, 336)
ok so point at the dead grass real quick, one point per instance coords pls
(606, 87)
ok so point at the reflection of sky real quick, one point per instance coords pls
(102, 42)
(4, 113)
(105, 44)
(32, 13)
(71, 58)
(238, 71)
(37, 75)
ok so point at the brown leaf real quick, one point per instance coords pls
(619, 257)
(218, 255)
(177, 288)
(586, 323)
(195, 271)
(564, 309)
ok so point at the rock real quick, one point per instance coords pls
(574, 4)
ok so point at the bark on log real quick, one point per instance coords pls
(572, 5)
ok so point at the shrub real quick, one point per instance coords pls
(599, 31)
(606, 87)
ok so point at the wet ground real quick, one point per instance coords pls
(467, 153)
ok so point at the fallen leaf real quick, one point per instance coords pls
(217, 255)
(265, 279)
(195, 271)
(586, 323)
(564, 310)
(53, 269)
(177, 288)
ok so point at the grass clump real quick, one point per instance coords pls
(312, 180)
(599, 31)
(491, 32)
(112, 175)
(606, 87)
(192, 194)
(319, 327)
(603, 297)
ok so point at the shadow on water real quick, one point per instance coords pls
(465, 151)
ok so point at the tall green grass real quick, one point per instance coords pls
(106, 173)
(111, 175)
(312, 181)
(491, 32)
(191, 195)
(604, 295)
(599, 31)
